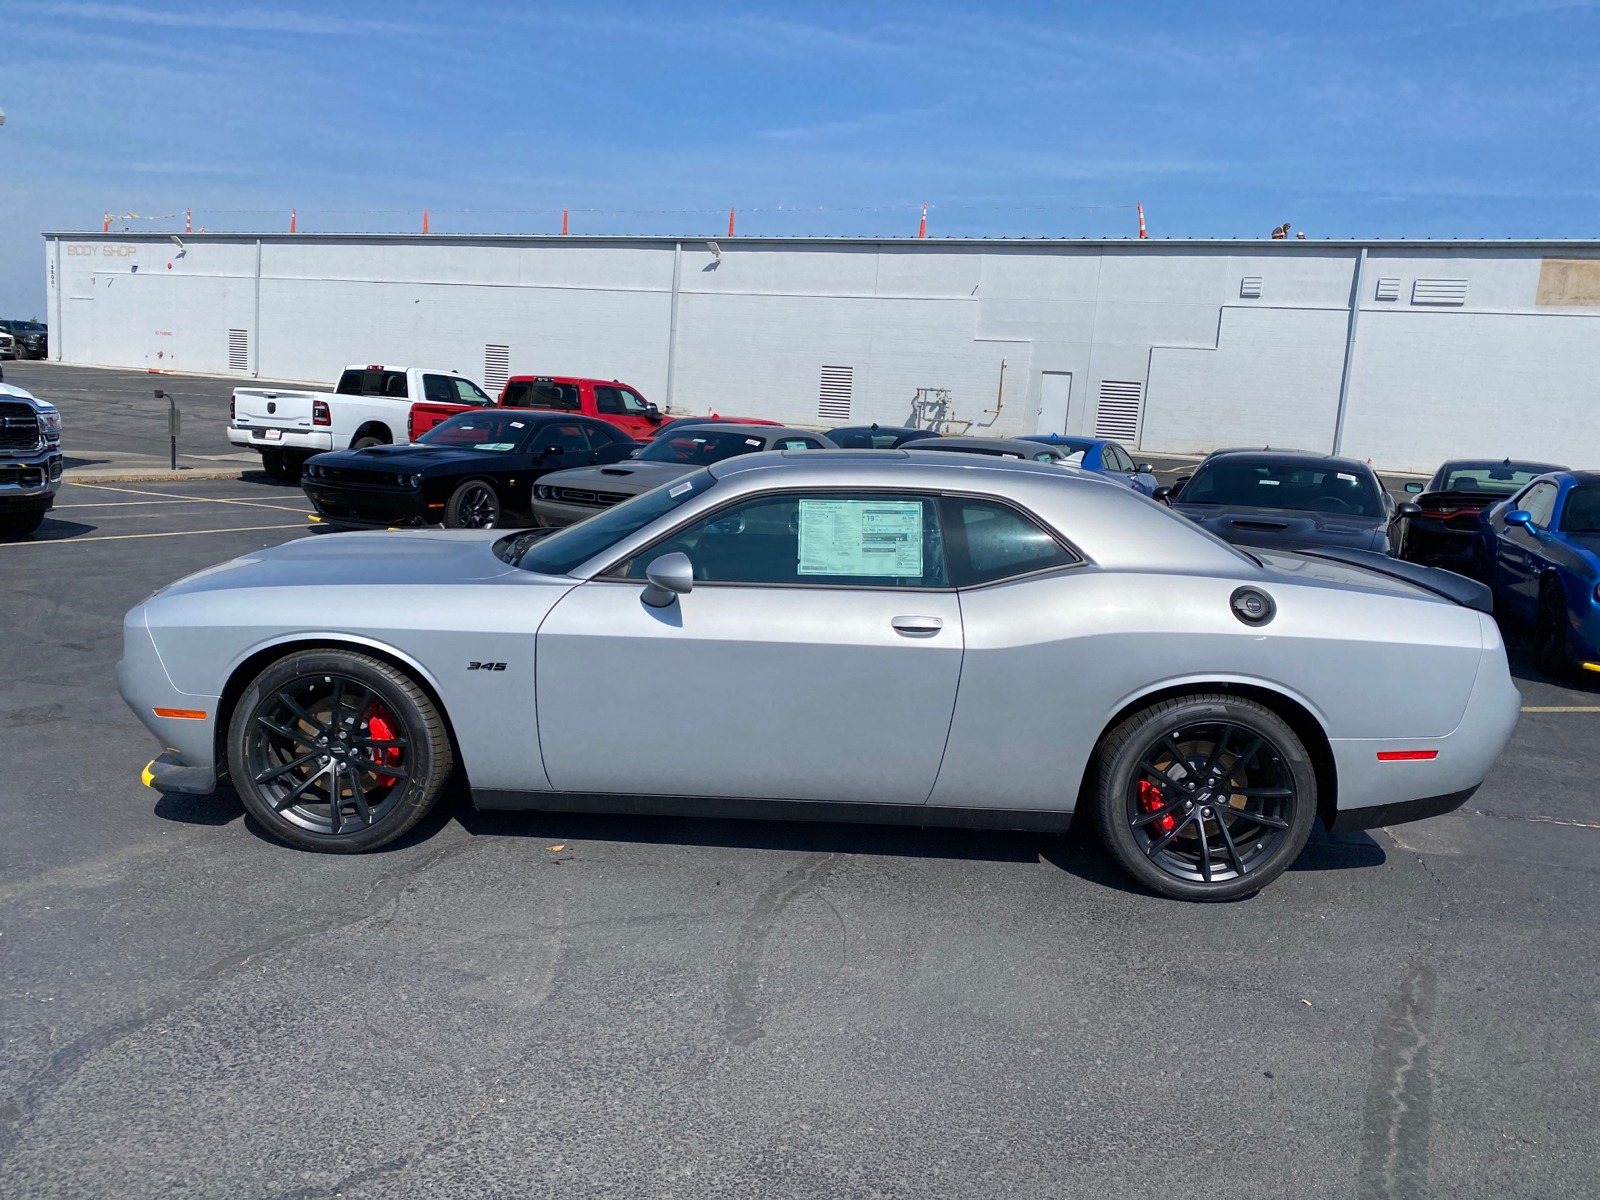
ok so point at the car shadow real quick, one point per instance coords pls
(51, 530)
(219, 808)
(1339, 852)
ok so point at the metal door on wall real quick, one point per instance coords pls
(1055, 397)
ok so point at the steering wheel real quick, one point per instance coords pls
(1331, 504)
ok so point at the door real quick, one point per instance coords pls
(816, 658)
(1055, 394)
(624, 408)
(1520, 553)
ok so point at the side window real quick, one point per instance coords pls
(990, 541)
(437, 389)
(632, 402)
(570, 437)
(601, 435)
(607, 399)
(1539, 502)
(1119, 458)
(394, 384)
(468, 392)
(819, 539)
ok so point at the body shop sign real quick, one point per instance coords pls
(105, 250)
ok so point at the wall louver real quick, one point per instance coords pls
(833, 403)
(1439, 291)
(496, 368)
(1118, 412)
(238, 350)
(1388, 289)
(1250, 287)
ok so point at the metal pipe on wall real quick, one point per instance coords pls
(1349, 349)
(672, 327)
(255, 325)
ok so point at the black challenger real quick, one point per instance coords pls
(474, 471)
(1442, 531)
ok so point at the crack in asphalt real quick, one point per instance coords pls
(742, 1013)
(67, 1061)
(1394, 1138)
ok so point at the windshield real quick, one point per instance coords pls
(24, 327)
(577, 544)
(1582, 513)
(542, 393)
(1500, 478)
(866, 438)
(493, 431)
(700, 446)
(1266, 483)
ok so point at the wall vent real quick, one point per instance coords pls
(833, 403)
(1119, 409)
(1439, 291)
(238, 350)
(496, 368)
(1388, 289)
(1250, 287)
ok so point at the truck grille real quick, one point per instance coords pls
(579, 496)
(19, 427)
(21, 476)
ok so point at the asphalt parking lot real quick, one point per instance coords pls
(534, 1004)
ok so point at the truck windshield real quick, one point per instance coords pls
(541, 393)
(559, 553)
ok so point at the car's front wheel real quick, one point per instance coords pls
(473, 505)
(1204, 797)
(336, 751)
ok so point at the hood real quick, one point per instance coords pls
(630, 476)
(344, 559)
(411, 456)
(1286, 528)
(7, 392)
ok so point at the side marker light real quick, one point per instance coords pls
(182, 714)
(1406, 755)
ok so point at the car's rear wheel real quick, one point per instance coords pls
(1550, 632)
(473, 505)
(337, 751)
(1204, 797)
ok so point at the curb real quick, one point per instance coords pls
(158, 477)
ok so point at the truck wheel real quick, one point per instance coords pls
(19, 524)
(272, 463)
(365, 440)
(473, 505)
(337, 752)
(290, 466)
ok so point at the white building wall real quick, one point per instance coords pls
(1499, 374)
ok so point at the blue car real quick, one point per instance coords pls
(1543, 554)
(1104, 458)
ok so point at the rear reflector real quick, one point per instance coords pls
(182, 714)
(1406, 755)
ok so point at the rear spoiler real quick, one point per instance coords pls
(1468, 593)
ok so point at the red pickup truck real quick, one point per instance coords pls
(609, 400)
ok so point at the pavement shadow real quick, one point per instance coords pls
(836, 837)
(1339, 852)
(51, 530)
(219, 808)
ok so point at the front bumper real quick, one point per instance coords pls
(30, 484)
(361, 508)
(557, 513)
(313, 441)
(190, 763)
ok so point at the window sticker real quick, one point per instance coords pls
(752, 441)
(680, 489)
(861, 537)
(1347, 478)
(495, 446)
(516, 424)
(1269, 482)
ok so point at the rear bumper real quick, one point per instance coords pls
(255, 437)
(1375, 792)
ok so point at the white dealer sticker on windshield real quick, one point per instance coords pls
(861, 537)
(680, 489)
(495, 446)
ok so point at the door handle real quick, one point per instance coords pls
(917, 626)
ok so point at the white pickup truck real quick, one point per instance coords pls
(371, 406)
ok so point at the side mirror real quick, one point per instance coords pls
(1519, 517)
(1163, 494)
(652, 413)
(549, 450)
(1414, 488)
(670, 576)
(1145, 469)
(1408, 509)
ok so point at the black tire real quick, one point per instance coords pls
(20, 524)
(388, 774)
(1164, 828)
(1550, 652)
(272, 463)
(365, 440)
(473, 505)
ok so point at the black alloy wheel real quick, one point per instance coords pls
(337, 751)
(20, 524)
(473, 505)
(1550, 632)
(1205, 797)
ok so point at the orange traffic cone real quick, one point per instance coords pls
(1141, 220)
(424, 220)
(730, 222)
(922, 230)
(293, 214)
(563, 222)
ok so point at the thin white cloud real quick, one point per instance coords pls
(264, 20)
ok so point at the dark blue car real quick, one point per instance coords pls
(1543, 552)
(1103, 457)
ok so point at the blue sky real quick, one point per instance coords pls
(1458, 119)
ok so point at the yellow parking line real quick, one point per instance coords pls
(124, 537)
(1561, 708)
(187, 499)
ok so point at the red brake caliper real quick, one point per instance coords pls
(1151, 799)
(379, 729)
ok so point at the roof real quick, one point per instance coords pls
(1269, 453)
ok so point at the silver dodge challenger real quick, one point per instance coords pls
(863, 635)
